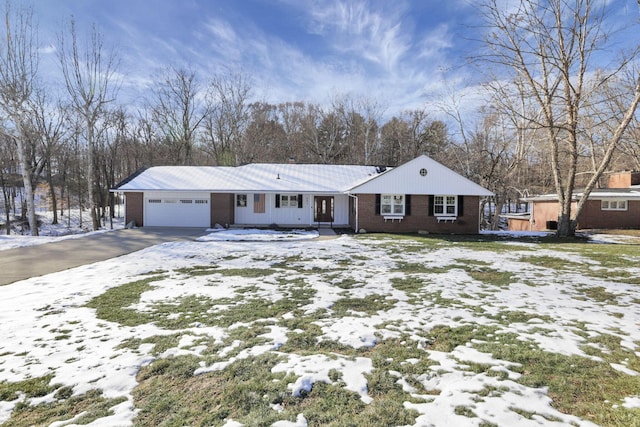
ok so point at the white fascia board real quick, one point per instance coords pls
(422, 176)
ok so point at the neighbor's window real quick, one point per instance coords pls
(241, 200)
(613, 205)
(445, 205)
(392, 204)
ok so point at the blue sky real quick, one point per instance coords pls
(402, 53)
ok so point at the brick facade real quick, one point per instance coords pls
(592, 216)
(134, 209)
(418, 220)
(624, 179)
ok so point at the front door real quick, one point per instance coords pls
(323, 209)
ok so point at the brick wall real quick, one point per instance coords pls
(134, 209)
(222, 209)
(592, 216)
(623, 179)
(419, 219)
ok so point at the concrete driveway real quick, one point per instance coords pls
(31, 261)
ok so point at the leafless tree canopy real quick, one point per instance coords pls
(542, 54)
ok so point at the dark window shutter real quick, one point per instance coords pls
(407, 204)
(277, 200)
(299, 200)
(431, 202)
(377, 204)
(460, 205)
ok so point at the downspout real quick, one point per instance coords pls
(355, 198)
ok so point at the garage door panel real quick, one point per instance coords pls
(177, 212)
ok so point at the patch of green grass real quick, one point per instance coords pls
(436, 299)
(161, 343)
(185, 311)
(198, 270)
(598, 294)
(246, 391)
(510, 317)
(369, 305)
(252, 309)
(399, 355)
(207, 270)
(246, 272)
(578, 385)
(608, 347)
(347, 283)
(33, 387)
(289, 262)
(169, 394)
(552, 262)
(92, 404)
(464, 411)
(408, 284)
(112, 305)
(619, 257)
(416, 268)
(529, 415)
(491, 276)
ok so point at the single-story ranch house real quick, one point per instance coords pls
(617, 206)
(420, 195)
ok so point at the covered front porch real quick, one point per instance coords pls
(285, 210)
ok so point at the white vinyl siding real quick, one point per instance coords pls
(290, 215)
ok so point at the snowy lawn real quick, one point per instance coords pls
(372, 330)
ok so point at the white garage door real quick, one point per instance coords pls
(177, 212)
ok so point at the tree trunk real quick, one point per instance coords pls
(52, 193)
(28, 189)
(566, 226)
(95, 221)
(7, 204)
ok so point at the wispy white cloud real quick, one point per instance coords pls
(378, 34)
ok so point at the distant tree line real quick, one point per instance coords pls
(528, 138)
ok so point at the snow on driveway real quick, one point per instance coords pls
(47, 329)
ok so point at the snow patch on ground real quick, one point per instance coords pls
(256, 235)
(47, 329)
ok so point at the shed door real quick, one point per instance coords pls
(177, 212)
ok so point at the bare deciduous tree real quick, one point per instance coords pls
(18, 73)
(228, 118)
(545, 51)
(177, 111)
(49, 123)
(90, 79)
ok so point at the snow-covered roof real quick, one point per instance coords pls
(596, 194)
(254, 177)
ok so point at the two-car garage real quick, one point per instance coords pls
(177, 210)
